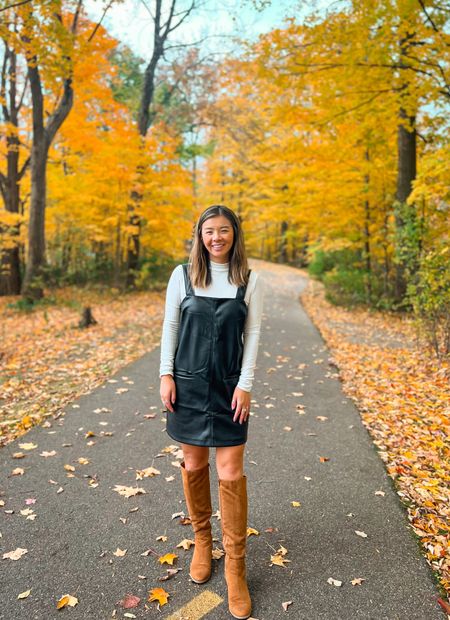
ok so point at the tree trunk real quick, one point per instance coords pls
(10, 275)
(367, 240)
(283, 256)
(32, 285)
(407, 166)
(43, 136)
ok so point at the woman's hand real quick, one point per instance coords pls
(241, 400)
(167, 391)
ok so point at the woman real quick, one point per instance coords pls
(208, 354)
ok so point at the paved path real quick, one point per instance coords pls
(72, 540)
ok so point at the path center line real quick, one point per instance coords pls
(197, 607)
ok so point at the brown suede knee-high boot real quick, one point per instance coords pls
(198, 499)
(233, 512)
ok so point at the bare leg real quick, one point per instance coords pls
(230, 462)
(195, 457)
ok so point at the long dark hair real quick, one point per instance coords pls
(200, 270)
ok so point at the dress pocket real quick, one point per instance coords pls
(230, 384)
(191, 390)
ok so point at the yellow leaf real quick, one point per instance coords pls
(27, 421)
(27, 446)
(251, 531)
(168, 558)
(67, 599)
(295, 504)
(69, 467)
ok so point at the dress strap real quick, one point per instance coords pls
(243, 289)
(187, 280)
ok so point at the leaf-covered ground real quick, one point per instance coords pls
(403, 395)
(47, 360)
(401, 391)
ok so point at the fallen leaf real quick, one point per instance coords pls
(163, 538)
(149, 472)
(158, 594)
(334, 582)
(128, 491)
(362, 534)
(217, 553)
(295, 504)
(286, 605)
(168, 558)
(252, 532)
(119, 552)
(18, 471)
(170, 449)
(278, 560)
(129, 601)
(186, 543)
(445, 606)
(47, 454)
(65, 600)
(170, 573)
(28, 446)
(357, 581)
(15, 555)
(24, 594)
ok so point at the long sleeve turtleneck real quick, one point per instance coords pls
(219, 287)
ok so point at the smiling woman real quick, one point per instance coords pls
(217, 236)
(208, 355)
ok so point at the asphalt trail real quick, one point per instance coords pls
(72, 540)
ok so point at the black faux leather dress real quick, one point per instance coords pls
(207, 366)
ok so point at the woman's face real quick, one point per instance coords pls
(217, 236)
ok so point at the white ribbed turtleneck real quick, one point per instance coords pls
(219, 287)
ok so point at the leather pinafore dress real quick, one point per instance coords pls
(207, 366)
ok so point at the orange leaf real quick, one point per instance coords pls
(158, 594)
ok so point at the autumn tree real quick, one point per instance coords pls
(44, 33)
(166, 18)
